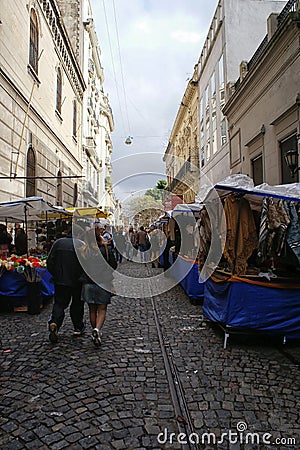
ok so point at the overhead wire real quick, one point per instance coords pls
(113, 65)
(121, 66)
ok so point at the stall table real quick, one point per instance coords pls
(14, 288)
(185, 271)
(241, 305)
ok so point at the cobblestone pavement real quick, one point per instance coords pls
(75, 396)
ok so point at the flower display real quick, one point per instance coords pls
(24, 266)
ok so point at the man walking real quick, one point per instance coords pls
(65, 268)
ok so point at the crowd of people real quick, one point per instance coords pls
(73, 255)
(8, 245)
(80, 276)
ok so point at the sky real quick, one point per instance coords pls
(148, 52)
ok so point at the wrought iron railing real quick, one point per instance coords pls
(291, 6)
(258, 52)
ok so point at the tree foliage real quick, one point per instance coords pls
(158, 191)
(146, 208)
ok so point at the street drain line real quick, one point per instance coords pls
(182, 414)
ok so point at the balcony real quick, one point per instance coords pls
(186, 177)
(90, 146)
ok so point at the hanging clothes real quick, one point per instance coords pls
(241, 239)
(280, 233)
(293, 231)
(203, 237)
(263, 237)
(274, 224)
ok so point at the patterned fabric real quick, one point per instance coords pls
(263, 231)
(274, 224)
(293, 232)
(202, 237)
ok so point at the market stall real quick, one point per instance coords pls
(25, 283)
(256, 287)
(183, 264)
(25, 292)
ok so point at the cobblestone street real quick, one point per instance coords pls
(75, 396)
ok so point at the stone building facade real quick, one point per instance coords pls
(235, 32)
(41, 98)
(56, 119)
(264, 111)
(182, 153)
(97, 123)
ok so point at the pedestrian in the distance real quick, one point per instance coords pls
(155, 239)
(120, 243)
(65, 269)
(97, 281)
(141, 236)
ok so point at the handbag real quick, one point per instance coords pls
(110, 257)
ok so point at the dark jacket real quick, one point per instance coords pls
(98, 269)
(63, 263)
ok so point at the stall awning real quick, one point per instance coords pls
(88, 212)
(30, 208)
(244, 185)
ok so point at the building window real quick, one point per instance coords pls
(75, 119)
(34, 42)
(30, 173)
(288, 144)
(59, 189)
(223, 131)
(257, 170)
(58, 90)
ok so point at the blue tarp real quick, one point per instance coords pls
(253, 307)
(13, 284)
(189, 282)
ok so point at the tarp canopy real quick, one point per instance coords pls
(30, 208)
(88, 212)
(254, 194)
(187, 207)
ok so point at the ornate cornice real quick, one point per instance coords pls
(63, 44)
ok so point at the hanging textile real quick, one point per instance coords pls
(293, 231)
(274, 224)
(241, 239)
(203, 237)
(263, 230)
(282, 229)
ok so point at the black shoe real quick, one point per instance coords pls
(53, 333)
(79, 332)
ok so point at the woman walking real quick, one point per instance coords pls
(97, 281)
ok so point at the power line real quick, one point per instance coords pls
(113, 64)
(122, 74)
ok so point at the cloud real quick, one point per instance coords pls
(186, 36)
(159, 41)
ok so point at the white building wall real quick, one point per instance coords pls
(97, 118)
(236, 30)
(52, 136)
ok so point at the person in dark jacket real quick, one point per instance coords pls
(21, 242)
(65, 268)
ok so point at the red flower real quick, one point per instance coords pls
(36, 264)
